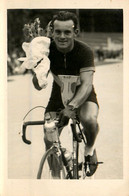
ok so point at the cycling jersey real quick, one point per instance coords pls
(79, 59)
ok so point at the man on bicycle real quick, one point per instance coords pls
(69, 56)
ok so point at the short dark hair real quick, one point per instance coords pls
(63, 16)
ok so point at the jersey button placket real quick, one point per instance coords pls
(65, 61)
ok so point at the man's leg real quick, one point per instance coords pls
(48, 144)
(53, 115)
(88, 114)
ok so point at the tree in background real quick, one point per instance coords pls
(90, 20)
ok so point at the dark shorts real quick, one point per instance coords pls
(55, 101)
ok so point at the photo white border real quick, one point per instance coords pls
(66, 188)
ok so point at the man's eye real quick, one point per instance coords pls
(57, 32)
(67, 32)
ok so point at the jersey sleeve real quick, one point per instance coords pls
(86, 60)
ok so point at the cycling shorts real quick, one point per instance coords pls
(55, 102)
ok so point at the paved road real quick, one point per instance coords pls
(23, 160)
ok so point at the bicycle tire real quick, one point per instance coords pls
(81, 162)
(51, 166)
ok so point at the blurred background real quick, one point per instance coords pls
(102, 29)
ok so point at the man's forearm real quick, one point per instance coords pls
(35, 82)
(81, 95)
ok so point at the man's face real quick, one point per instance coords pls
(63, 35)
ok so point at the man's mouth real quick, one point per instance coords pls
(62, 42)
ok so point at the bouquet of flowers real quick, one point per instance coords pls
(36, 48)
(33, 30)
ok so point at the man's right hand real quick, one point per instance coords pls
(65, 115)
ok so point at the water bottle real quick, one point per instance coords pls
(51, 131)
(68, 156)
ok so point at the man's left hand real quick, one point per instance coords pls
(65, 115)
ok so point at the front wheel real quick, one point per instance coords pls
(81, 162)
(51, 166)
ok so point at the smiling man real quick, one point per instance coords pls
(63, 35)
(71, 57)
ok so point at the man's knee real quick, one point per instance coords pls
(88, 114)
(89, 120)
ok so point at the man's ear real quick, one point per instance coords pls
(52, 34)
(76, 32)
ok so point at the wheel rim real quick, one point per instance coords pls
(51, 166)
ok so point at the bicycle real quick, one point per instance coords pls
(54, 163)
(66, 171)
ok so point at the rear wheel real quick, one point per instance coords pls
(51, 166)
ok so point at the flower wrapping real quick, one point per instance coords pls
(37, 52)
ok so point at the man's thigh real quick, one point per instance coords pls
(88, 110)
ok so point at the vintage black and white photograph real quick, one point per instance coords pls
(65, 94)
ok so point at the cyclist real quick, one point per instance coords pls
(69, 56)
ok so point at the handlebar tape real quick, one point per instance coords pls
(24, 129)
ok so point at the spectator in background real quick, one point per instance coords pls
(100, 54)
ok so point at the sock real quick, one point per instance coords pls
(89, 150)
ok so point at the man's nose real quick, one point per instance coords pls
(62, 35)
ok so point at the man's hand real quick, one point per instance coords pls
(35, 82)
(65, 115)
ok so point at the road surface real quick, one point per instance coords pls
(23, 160)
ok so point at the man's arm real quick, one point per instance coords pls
(35, 82)
(84, 90)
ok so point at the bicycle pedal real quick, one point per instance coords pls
(100, 162)
(96, 163)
